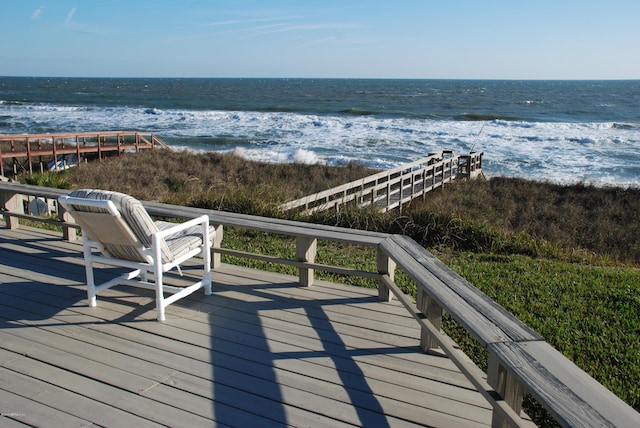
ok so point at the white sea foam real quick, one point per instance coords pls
(305, 156)
(603, 153)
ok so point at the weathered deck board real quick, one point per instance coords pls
(60, 399)
(260, 351)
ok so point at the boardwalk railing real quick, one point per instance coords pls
(28, 150)
(519, 359)
(394, 187)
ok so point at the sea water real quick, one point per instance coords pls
(559, 131)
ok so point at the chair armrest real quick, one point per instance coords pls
(203, 219)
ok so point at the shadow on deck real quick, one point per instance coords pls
(261, 351)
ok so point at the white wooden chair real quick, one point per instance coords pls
(118, 231)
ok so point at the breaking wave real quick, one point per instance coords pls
(599, 152)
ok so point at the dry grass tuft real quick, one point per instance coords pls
(210, 179)
(583, 218)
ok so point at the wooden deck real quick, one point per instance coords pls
(261, 351)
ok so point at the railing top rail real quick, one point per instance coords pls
(264, 224)
(274, 225)
(8, 137)
(30, 190)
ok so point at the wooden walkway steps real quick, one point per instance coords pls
(261, 351)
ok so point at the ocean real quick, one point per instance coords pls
(559, 131)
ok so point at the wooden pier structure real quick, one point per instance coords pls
(268, 349)
(392, 188)
(33, 152)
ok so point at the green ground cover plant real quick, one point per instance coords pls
(563, 259)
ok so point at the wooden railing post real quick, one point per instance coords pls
(507, 386)
(424, 182)
(386, 266)
(388, 192)
(11, 203)
(374, 193)
(54, 151)
(433, 176)
(451, 168)
(217, 242)
(29, 161)
(433, 313)
(68, 233)
(306, 252)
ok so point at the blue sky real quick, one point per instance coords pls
(477, 39)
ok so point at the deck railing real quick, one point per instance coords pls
(519, 359)
(39, 149)
(395, 187)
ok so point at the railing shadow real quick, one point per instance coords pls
(292, 359)
(41, 283)
(33, 269)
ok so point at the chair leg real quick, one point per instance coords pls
(91, 285)
(159, 294)
(207, 284)
(88, 267)
(207, 270)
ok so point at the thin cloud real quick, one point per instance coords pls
(319, 41)
(283, 28)
(264, 30)
(70, 15)
(245, 21)
(37, 14)
(261, 26)
(234, 26)
(229, 26)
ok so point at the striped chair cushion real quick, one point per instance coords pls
(184, 241)
(136, 218)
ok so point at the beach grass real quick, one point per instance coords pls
(564, 259)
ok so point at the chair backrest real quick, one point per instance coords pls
(116, 220)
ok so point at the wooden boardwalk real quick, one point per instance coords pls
(393, 188)
(31, 152)
(261, 351)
